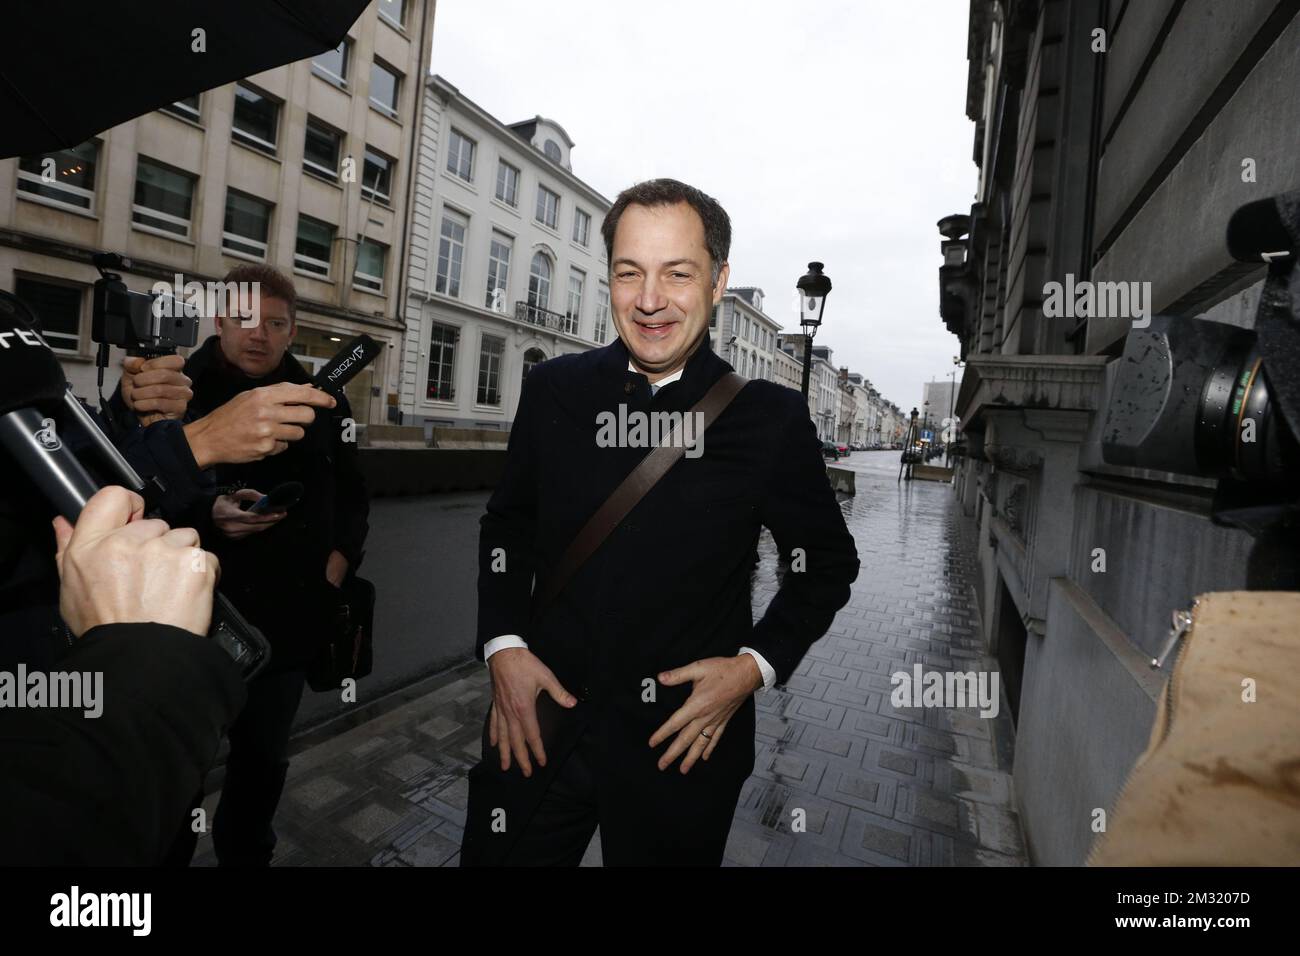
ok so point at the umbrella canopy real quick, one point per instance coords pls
(73, 69)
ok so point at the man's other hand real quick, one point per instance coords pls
(236, 523)
(117, 567)
(518, 677)
(155, 388)
(720, 686)
(255, 424)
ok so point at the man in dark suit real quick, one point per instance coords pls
(650, 651)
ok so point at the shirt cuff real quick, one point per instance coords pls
(769, 675)
(501, 643)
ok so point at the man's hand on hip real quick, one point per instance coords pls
(518, 678)
(721, 685)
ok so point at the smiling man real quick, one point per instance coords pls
(627, 701)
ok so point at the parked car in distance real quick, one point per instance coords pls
(842, 448)
(830, 450)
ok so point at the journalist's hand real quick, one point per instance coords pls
(235, 523)
(116, 567)
(155, 388)
(255, 424)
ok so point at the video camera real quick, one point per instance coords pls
(1197, 397)
(143, 323)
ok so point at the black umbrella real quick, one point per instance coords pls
(69, 70)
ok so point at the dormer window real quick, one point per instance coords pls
(552, 150)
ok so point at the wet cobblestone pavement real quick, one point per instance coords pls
(841, 776)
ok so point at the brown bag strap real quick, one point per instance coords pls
(633, 488)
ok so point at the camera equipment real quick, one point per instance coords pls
(1203, 398)
(34, 397)
(143, 323)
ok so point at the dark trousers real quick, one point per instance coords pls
(632, 833)
(256, 766)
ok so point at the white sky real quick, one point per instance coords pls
(829, 130)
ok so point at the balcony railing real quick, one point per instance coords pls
(536, 315)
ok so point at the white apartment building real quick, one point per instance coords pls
(787, 369)
(507, 267)
(304, 167)
(744, 335)
(824, 384)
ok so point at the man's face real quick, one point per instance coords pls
(258, 350)
(660, 285)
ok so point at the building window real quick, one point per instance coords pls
(441, 386)
(394, 11)
(320, 153)
(163, 198)
(539, 282)
(384, 86)
(548, 207)
(377, 175)
(507, 183)
(602, 313)
(581, 227)
(552, 150)
(451, 253)
(531, 357)
(314, 247)
(573, 316)
(370, 266)
(58, 307)
(460, 156)
(489, 370)
(713, 318)
(257, 118)
(332, 65)
(187, 108)
(248, 223)
(498, 281)
(70, 174)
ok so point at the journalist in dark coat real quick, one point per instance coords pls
(670, 586)
(283, 571)
(277, 577)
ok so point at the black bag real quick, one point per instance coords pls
(348, 651)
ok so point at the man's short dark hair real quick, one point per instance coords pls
(669, 192)
(273, 283)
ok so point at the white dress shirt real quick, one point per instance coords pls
(514, 640)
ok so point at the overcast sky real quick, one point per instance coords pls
(829, 130)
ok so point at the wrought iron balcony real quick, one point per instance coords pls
(536, 315)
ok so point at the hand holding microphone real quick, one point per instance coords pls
(255, 424)
(117, 567)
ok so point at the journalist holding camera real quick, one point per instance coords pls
(267, 434)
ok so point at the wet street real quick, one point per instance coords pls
(842, 777)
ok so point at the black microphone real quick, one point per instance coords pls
(1266, 230)
(32, 390)
(343, 367)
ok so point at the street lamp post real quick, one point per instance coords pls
(951, 434)
(813, 288)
